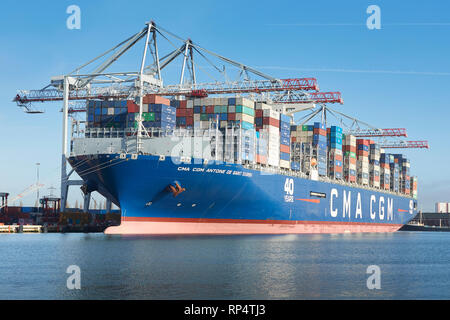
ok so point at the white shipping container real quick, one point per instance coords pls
(221, 101)
(285, 164)
(144, 107)
(363, 181)
(376, 184)
(198, 102)
(231, 109)
(190, 104)
(207, 101)
(270, 130)
(261, 106)
(271, 114)
(110, 111)
(196, 117)
(204, 124)
(245, 117)
(241, 101)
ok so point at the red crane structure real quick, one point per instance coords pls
(406, 144)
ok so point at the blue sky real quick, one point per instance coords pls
(398, 76)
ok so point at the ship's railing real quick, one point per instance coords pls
(151, 133)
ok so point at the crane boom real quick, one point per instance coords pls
(253, 86)
(391, 132)
(406, 144)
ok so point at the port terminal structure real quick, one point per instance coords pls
(75, 89)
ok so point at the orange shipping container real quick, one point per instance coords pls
(285, 149)
(155, 99)
(261, 159)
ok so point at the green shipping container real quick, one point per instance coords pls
(217, 109)
(304, 128)
(203, 117)
(148, 116)
(350, 154)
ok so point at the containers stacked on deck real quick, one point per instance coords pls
(107, 114)
(362, 163)
(374, 165)
(405, 176)
(335, 159)
(240, 145)
(395, 174)
(385, 170)
(201, 113)
(268, 124)
(261, 148)
(413, 184)
(349, 155)
(285, 141)
(320, 147)
(157, 113)
(301, 148)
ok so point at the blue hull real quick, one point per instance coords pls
(230, 192)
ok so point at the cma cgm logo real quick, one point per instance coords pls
(378, 206)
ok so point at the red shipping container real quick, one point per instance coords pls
(284, 148)
(320, 132)
(155, 99)
(363, 142)
(336, 169)
(231, 116)
(189, 112)
(293, 139)
(259, 113)
(183, 104)
(189, 121)
(271, 121)
(362, 153)
(336, 157)
(132, 107)
(210, 109)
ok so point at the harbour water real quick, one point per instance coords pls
(413, 265)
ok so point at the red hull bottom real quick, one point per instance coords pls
(216, 227)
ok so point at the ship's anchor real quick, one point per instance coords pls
(176, 190)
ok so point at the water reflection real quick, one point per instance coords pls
(413, 266)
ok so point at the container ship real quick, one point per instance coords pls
(237, 166)
(221, 158)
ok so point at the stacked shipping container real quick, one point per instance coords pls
(335, 167)
(374, 165)
(385, 171)
(349, 153)
(362, 163)
(274, 142)
(285, 141)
